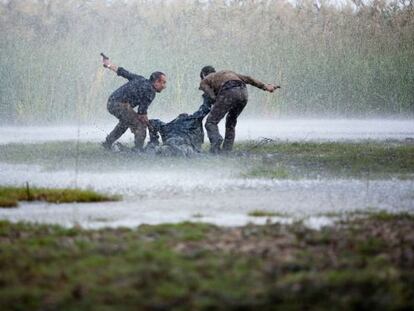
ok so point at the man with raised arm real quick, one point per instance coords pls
(229, 92)
(138, 91)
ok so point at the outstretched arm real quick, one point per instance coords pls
(252, 81)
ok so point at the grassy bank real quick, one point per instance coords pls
(9, 196)
(331, 159)
(365, 263)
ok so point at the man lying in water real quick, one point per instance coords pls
(182, 136)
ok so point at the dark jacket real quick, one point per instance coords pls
(184, 130)
(137, 92)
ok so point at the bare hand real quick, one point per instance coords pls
(271, 88)
(106, 62)
(143, 118)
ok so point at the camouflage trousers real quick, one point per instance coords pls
(231, 102)
(128, 118)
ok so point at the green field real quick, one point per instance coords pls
(367, 159)
(362, 263)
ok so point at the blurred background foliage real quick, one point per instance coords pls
(332, 59)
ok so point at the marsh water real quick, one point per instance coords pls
(247, 129)
(211, 189)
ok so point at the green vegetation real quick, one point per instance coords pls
(354, 58)
(265, 171)
(9, 196)
(262, 213)
(365, 263)
(384, 216)
(63, 154)
(91, 156)
(363, 160)
(277, 160)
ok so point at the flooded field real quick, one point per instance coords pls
(212, 189)
(290, 129)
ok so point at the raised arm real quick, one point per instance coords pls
(122, 72)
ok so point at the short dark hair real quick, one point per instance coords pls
(206, 70)
(156, 75)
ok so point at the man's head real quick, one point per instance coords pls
(206, 70)
(159, 81)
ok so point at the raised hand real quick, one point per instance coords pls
(105, 61)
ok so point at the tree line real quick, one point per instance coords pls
(350, 58)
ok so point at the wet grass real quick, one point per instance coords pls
(365, 264)
(261, 170)
(274, 160)
(366, 160)
(263, 213)
(92, 157)
(55, 155)
(384, 216)
(10, 196)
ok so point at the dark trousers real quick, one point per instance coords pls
(128, 118)
(231, 102)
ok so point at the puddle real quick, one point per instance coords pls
(219, 199)
(162, 193)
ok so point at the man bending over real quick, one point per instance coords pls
(137, 92)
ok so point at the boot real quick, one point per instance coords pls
(107, 145)
(227, 146)
(215, 147)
